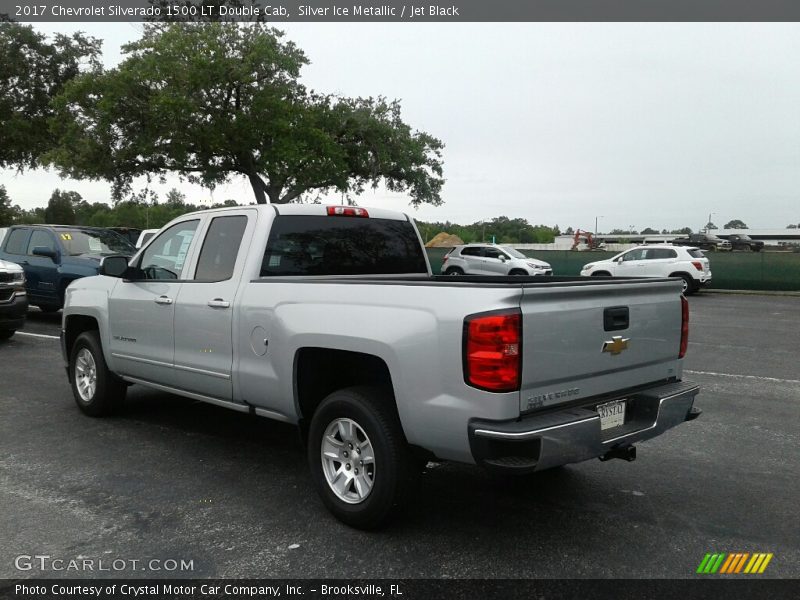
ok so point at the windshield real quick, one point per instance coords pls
(94, 241)
(513, 253)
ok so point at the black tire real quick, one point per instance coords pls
(601, 274)
(518, 272)
(49, 308)
(109, 390)
(6, 333)
(454, 271)
(689, 284)
(394, 471)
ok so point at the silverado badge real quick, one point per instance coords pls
(616, 345)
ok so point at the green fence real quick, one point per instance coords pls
(731, 270)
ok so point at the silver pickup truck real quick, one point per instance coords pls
(328, 317)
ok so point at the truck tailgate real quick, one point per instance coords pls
(597, 339)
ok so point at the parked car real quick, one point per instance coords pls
(491, 259)
(328, 317)
(55, 255)
(145, 237)
(129, 233)
(13, 299)
(741, 241)
(704, 241)
(690, 264)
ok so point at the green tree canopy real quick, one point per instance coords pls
(735, 224)
(649, 231)
(6, 210)
(32, 71)
(211, 100)
(60, 208)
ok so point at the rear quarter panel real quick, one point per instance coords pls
(415, 329)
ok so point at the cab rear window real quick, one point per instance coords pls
(334, 245)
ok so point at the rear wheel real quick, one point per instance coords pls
(49, 308)
(454, 271)
(6, 333)
(601, 274)
(97, 391)
(689, 286)
(360, 462)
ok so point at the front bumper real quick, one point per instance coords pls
(13, 311)
(553, 438)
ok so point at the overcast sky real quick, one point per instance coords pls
(650, 125)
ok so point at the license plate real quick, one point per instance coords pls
(612, 414)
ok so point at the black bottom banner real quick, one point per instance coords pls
(401, 589)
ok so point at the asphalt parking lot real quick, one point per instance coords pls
(171, 478)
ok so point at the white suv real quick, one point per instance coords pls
(490, 259)
(690, 264)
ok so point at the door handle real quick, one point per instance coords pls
(219, 303)
(163, 300)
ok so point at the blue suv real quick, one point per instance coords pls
(55, 255)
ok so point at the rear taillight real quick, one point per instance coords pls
(347, 211)
(493, 351)
(444, 260)
(697, 265)
(684, 327)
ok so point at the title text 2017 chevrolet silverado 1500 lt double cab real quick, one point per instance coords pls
(330, 318)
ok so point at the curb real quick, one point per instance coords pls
(753, 292)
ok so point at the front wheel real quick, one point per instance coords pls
(360, 462)
(97, 391)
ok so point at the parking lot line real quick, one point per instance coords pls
(39, 335)
(776, 379)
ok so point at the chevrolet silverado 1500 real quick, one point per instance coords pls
(329, 318)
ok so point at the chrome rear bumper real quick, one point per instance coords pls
(544, 440)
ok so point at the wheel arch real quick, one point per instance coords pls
(320, 371)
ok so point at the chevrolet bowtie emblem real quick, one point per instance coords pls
(616, 345)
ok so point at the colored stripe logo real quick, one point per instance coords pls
(734, 563)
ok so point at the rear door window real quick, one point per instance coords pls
(220, 248)
(696, 253)
(471, 251)
(334, 245)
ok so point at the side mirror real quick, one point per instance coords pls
(45, 251)
(502, 258)
(114, 266)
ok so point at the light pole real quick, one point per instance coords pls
(595, 223)
(711, 214)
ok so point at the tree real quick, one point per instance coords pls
(682, 231)
(711, 225)
(735, 224)
(176, 197)
(792, 226)
(212, 100)
(569, 231)
(649, 231)
(60, 210)
(32, 71)
(6, 210)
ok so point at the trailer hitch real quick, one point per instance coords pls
(627, 453)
